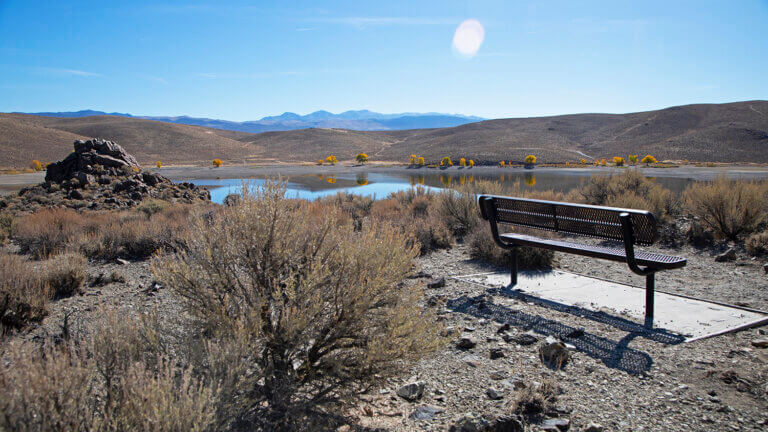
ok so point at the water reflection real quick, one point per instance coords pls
(379, 185)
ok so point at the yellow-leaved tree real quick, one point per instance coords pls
(471, 163)
(217, 163)
(361, 158)
(618, 161)
(633, 159)
(649, 160)
(331, 160)
(36, 165)
(446, 162)
(462, 162)
(159, 164)
(421, 161)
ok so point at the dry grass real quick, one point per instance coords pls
(757, 244)
(132, 234)
(310, 305)
(115, 380)
(536, 399)
(730, 209)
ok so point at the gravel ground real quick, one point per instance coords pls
(618, 376)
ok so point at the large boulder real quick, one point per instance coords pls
(86, 156)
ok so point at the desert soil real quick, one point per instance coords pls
(618, 376)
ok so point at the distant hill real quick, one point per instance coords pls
(353, 120)
(733, 132)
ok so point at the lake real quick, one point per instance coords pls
(379, 184)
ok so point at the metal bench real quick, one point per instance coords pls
(632, 227)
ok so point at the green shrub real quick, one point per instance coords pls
(730, 209)
(307, 304)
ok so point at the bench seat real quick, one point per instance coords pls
(658, 261)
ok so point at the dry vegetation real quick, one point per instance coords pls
(290, 308)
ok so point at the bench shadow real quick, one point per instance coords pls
(614, 354)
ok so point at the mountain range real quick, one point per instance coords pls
(731, 132)
(363, 120)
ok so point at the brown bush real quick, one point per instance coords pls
(7, 224)
(483, 248)
(535, 400)
(48, 232)
(65, 274)
(312, 307)
(414, 212)
(458, 205)
(23, 294)
(730, 209)
(757, 244)
(132, 234)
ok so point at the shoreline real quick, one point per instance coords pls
(10, 183)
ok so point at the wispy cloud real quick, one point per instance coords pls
(371, 21)
(304, 29)
(65, 72)
(158, 80)
(263, 75)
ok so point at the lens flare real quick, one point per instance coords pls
(468, 37)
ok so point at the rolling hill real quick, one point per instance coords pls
(733, 132)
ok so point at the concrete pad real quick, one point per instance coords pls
(692, 318)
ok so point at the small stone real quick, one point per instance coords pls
(425, 412)
(765, 268)
(412, 391)
(470, 423)
(494, 394)
(503, 328)
(496, 353)
(437, 283)
(469, 329)
(594, 427)
(729, 255)
(466, 342)
(527, 338)
(555, 425)
(760, 343)
(498, 375)
(554, 353)
(122, 261)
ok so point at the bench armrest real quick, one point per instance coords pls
(629, 241)
(488, 210)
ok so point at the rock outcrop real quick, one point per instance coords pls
(100, 175)
(91, 158)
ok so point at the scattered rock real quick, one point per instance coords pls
(553, 353)
(729, 255)
(594, 427)
(437, 283)
(555, 425)
(466, 342)
(122, 261)
(496, 353)
(503, 328)
(494, 394)
(412, 391)
(765, 268)
(471, 423)
(760, 343)
(425, 412)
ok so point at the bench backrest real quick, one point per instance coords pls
(578, 219)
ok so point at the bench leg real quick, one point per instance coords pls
(513, 253)
(650, 286)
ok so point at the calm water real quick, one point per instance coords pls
(378, 185)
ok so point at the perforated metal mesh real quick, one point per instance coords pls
(592, 221)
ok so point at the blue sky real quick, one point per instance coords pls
(246, 60)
